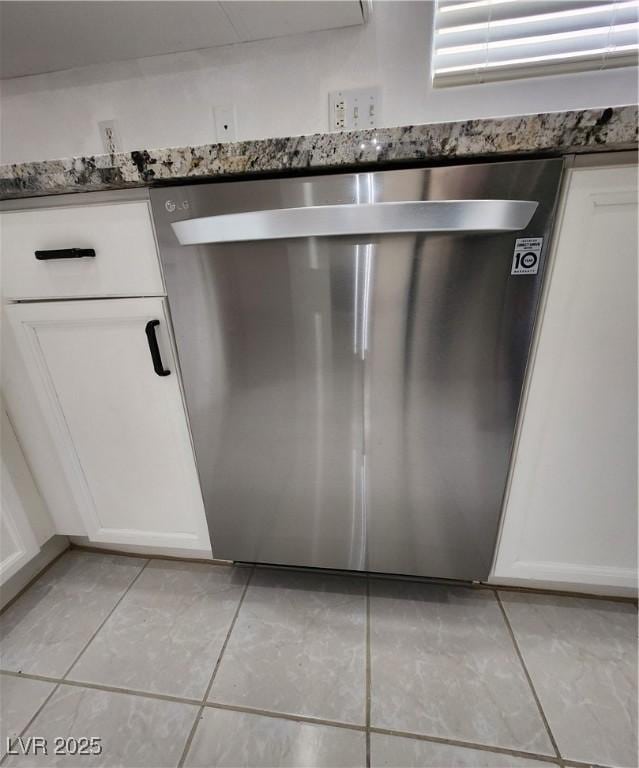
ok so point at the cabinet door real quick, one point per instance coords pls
(120, 428)
(571, 513)
(18, 542)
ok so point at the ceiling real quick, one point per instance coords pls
(48, 36)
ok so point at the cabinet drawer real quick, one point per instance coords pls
(121, 234)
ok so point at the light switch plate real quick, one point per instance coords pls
(225, 123)
(354, 108)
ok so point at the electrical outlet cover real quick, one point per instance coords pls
(224, 115)
(110, 136)
(354, 109)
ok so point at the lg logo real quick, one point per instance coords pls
(171, 206)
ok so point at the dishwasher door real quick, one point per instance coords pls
(353, 394)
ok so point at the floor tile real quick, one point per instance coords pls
(582, 657)
(298, 646)
(47, 627)
(443, 664)
(134, 731)
(20, 699)
(235, 739)
(167, 633)
(393, 751)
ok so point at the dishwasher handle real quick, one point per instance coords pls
(359, 219)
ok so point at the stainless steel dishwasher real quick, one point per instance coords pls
(353, 349)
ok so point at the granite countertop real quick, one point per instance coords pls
(552, 133)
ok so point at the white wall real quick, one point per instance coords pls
(279, 88)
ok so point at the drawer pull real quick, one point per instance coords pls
(154, 349)
(65, 253)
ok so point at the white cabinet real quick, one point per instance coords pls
(18, 539)
(119, 428)
(18, 544)
(571, 511)
(107, 437)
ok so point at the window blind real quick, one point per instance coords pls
(482, 40)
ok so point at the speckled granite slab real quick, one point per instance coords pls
(550, 133)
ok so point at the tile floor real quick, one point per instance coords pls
(175, 663)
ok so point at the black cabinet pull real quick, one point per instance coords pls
(154, 349)
(65, 253)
